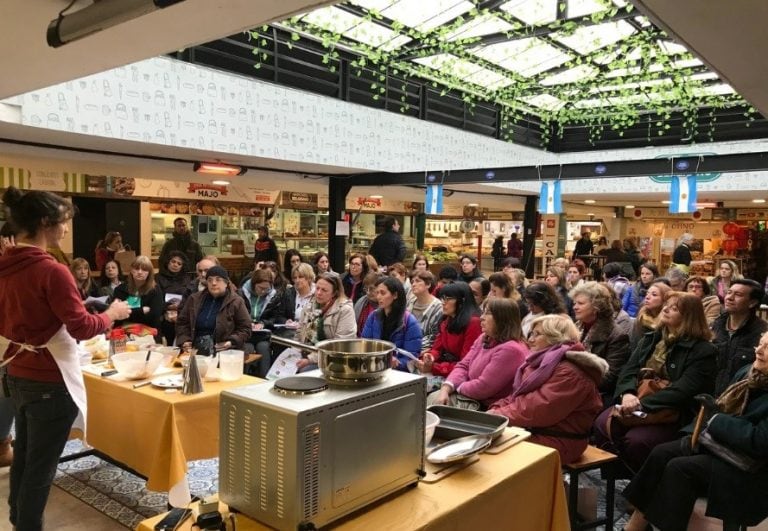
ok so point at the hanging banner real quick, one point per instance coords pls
(550, 201)
(682, 197)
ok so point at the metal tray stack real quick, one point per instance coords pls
(456, 422)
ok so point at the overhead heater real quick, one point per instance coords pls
(99, 15)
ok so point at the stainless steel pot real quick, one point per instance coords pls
(348, 360)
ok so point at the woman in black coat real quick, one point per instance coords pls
(678, 351)
(675, 475)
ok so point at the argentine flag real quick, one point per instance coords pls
(683, 195)
(434, 201)
(549, 198)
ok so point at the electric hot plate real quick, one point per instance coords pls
(300, 385)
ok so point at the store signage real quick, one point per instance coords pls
(298, 200)
(751, 214)
(663, 213)
(207, 190)
(552, 239)
(369, 202)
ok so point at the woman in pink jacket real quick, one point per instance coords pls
(487, 372)
(555, 393)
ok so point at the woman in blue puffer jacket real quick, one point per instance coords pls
(633, 298)
(391, 322)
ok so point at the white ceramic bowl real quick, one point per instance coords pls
(432, 422)
(134, 365)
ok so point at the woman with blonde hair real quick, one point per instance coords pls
(679, 361)
(554, 392)
(594, 314)
(728, 272)
(82, 273)
(648, 317)
(142, 294)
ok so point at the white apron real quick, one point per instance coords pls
(63, 348)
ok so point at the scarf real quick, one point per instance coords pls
(658, 360)
(543, 363)
(735, 398)
(317, 325)
(646, 321)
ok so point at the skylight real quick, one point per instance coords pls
(555, 54)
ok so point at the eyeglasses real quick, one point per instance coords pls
(533, 334)
(355, 264)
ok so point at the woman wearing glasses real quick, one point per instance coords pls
(701, 288)
(487, 372)
(270, 305)
(392, 322)
(365, 306)
(353, 279)
(459, 329)
(555, 394)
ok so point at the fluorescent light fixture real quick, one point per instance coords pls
(706, 205)
(376, 196)
(590, 213)
(473, 204)
(758, 200)
(217, 168)
(100, 15)
(220, 182)
(629, 206)
(666, 202)
(589, 201)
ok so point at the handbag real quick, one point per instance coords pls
(650, 383)
(741, 461)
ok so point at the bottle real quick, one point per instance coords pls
(117, 342)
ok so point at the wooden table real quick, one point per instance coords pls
(154, 432)
(520, 488)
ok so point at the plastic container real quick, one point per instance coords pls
(432, 422)
(232, 364)
(134, 365)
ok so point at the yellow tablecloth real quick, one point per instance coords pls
(520, 488)
(154, 432)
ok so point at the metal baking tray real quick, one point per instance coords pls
(456, 422)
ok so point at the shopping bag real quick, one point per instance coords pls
(125, 259)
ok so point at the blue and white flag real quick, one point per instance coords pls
(434, 201)
(683, 195)
(549, 198)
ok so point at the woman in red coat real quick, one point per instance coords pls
(459, 328)
(555, 393)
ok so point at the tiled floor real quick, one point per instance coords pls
(63, 512)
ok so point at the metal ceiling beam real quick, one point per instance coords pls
(739, 162)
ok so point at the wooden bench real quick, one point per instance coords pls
(593, 458)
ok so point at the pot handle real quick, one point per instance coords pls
(291, 343)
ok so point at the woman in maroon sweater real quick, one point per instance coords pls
(43, 315)
(459, 328)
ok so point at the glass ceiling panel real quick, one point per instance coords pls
(374, 5)
(426, 15)
(483, 25)
(580, 8)
(349, 25)
(544, 101)
(532, 11)
(466, 70)
(570, 76)
(526, 57)
(590, 38)
(332, 19)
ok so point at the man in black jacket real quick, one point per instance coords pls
(388, 247)
(737, 330)
(183, 242)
